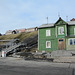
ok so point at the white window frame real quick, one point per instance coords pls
(72, 41)
(59, 28)
(48, 32)
(74, 31)
(46, 44)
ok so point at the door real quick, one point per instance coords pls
(61, 44)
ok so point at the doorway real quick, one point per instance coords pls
(61, 44)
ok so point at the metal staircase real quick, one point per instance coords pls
(26, 44)
(12, 48)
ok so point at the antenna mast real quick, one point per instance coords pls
(47, 20)
(66, 18)
(58, 14)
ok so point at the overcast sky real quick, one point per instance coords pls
(17, 14)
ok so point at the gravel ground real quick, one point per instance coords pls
(21, 62)
(19, 66)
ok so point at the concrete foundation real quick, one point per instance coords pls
(62, 53)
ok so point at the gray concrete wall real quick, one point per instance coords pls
(62, 53)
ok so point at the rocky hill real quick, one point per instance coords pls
(20, 36)
(19, 42)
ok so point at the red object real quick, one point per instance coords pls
(72, 19)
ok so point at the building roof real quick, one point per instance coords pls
(31, 28)
(21, 30)
(72, 19)
(47, 25)
(72, 22)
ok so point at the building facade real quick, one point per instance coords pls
(57, 36)
(31, 29)
(16, 31)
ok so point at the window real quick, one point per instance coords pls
(48, 33)
(61, 40)
(74, 41)
(71, 41)
(61, 30)
(74, 31)
(48, 44)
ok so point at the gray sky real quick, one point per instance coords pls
(17, 14)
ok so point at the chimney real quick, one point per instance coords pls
(59, 18)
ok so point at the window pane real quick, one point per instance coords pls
(71, 43)
(61, 40)
(74, 41)
(47, 32)
(48, 44)
(60, 30)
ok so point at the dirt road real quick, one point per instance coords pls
(18, 66)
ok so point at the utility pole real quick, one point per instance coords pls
(47, 20)
(58, 14)
(66, 18)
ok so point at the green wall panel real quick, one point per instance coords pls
(43, 38)
(69, 47)
(71, 30)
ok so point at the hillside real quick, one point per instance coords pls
(20, 36)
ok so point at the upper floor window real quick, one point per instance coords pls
(61, 30)
(48, 33)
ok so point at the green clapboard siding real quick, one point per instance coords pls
(42, 38)
(71, 30)
(69, 47)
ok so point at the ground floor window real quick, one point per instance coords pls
(71, 41)
(48, 44)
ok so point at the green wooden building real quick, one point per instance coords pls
(57, 36)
